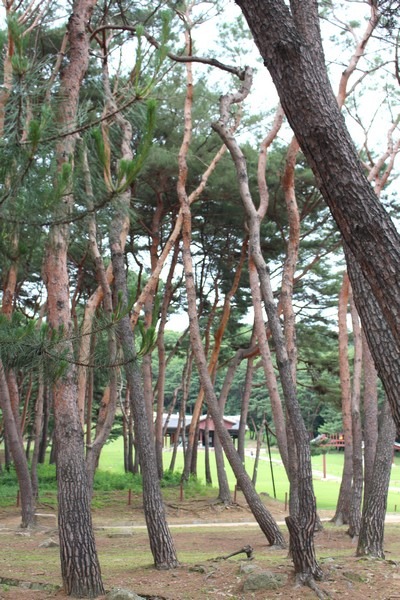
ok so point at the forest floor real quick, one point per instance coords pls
(203, 531)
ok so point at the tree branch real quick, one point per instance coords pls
(175, 57)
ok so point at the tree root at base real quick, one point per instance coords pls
(248, 550)
(309, 581)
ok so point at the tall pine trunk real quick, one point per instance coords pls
(370, 541)
(342, 513)
(370, 404)
(244, 408)
(357, 488)
(79, 563)
(38, 426)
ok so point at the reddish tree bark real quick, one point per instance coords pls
(13, 424)
(343, 505)
(162, 363)
(263, 517)
(357, 487)
(79, 563)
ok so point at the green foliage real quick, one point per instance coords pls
(171, 478)
(20, 64)
(99, 145)
(128, 170)
(9, 482)
(21, 342)
(47, 476)
(34, 133)
(19, 61)
(149, 334)
(8, 478)
(26, 345)
(148, 338)
(106, 481)
(142, 77)
(333, 422)
(16, 32)
(194, 487)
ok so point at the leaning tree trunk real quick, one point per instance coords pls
(13, 423)
(370, 541)
(224, 493)
(108, 406)
(386, 354)
(303, 524)
(262, 515)
(13, 431)
(286, 301)
(269, 371)
(382, 344)
(14, 443)
(160, 538)
(289, 41)
(162, 363)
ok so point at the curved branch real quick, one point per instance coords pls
(175, 57)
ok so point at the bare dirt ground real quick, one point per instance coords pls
(203, 531)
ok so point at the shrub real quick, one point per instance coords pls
(107, 481)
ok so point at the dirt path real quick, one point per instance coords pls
(202, 531)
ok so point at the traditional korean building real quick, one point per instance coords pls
(171, 431)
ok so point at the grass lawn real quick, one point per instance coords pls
(111, 462)
(326, 490)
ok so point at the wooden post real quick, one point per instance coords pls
(181, 492)
(129, 497)
(324, 465)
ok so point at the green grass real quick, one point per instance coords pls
(110, 476)
(326, 491)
